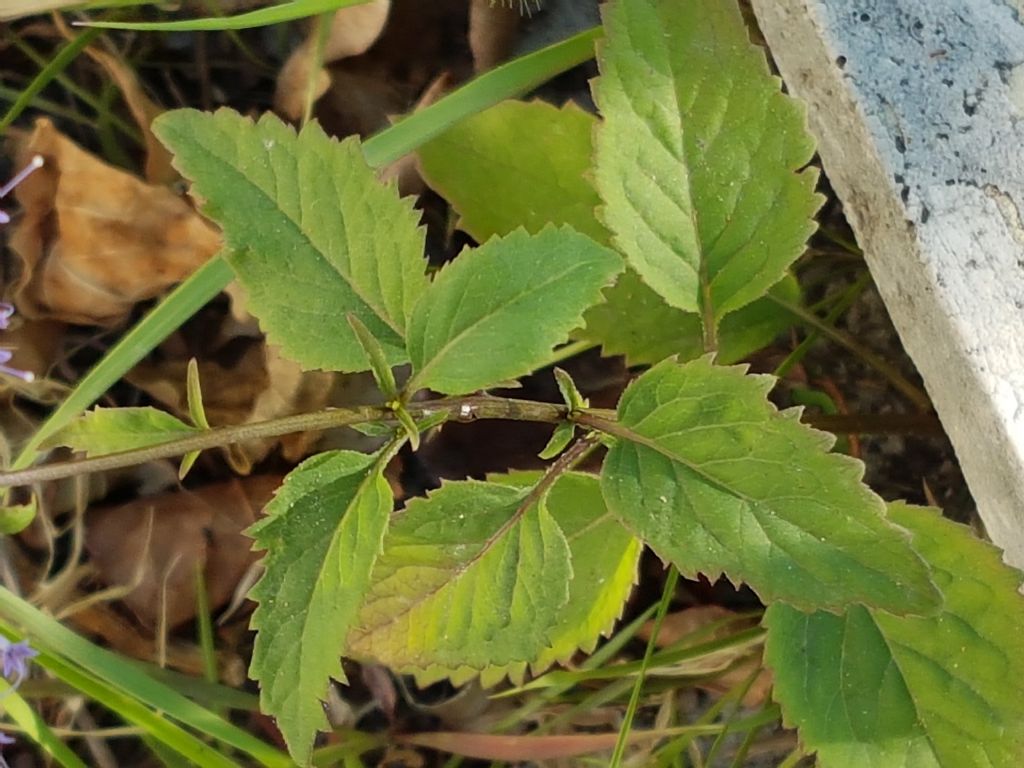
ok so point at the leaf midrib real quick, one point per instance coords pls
(445, 349)
(200, 182)
(457, 573)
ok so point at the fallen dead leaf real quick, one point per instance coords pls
(124, 637)
(155, 544)
(493, 29)
(678, 626)
(158, 168)
(419, 42)
(94, 240)
(256, 385)
(353, 30)
(495, 746)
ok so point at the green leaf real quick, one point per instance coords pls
(382, 372)
(560, 439)
(715, 479)
(635, 322)
(194, 393)
(112, 430)
(311, 233)
(14, 518)
(497, 311)
(322, 533)
(605, 557)
(517, 164)
(409, 425)
(696, 160)
(570, 393)
(869, 688)
(196, 411)
(497, 181)
(468, 577)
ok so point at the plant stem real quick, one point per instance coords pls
(634, 700)
(911, 392)
(846, 300)
(456, 409)
(506, 81)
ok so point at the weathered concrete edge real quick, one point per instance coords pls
(985, 444)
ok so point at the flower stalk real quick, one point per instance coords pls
(7, 310)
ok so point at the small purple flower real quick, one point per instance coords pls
(35, 163)
(14, 658)
(6, 310)
(5, 357)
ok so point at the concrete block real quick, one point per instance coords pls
(918, 108)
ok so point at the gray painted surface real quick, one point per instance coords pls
(918, 107)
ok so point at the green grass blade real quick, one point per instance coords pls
(634, 699)
(184, 301)
(263, 17)
(59, 63)
(121, 685)
(132, 711)
(33, 726)
(506, 81)
(516, 77)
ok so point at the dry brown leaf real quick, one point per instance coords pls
(291, 390)
(155, 544)
(230, 386)
(158, 167)
(94, 240)
(759, 691)
(353, 30)
(493, 29)
(420, 41)
(257, 385)
(124, 637)
(36, 346)
(499, 746)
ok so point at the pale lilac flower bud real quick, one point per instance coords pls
(14, 658)
(6, 310)
(35, 163)
(5, 356)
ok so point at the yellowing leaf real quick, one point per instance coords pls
(474, 575)
(111, 430)
(604, 556)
